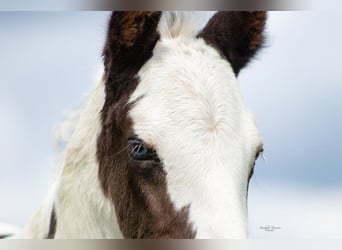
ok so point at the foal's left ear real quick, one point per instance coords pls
(238, 35)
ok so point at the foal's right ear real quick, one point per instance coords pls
(130, 40)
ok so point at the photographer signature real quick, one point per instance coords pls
(269, 228)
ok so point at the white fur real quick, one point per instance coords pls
(173, 24)
(193, 114)
(83, 211)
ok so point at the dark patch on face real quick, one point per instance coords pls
(53, 225)
(238, 35)
(137, 188)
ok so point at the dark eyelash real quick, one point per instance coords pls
(139, 151)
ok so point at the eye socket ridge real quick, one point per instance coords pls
(256, 158)
(258, 153)
(140, 151)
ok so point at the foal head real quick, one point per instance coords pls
(177, 143)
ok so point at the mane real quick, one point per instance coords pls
(75, 141)
(174, 24)
(73, 124)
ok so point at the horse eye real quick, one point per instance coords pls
(139, 151)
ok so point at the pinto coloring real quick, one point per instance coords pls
(165, 145)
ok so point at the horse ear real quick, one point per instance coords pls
(131, 38)
(237, 35)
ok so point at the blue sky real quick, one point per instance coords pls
(295, 92)
(49, 60)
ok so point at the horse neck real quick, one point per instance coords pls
(81, 209)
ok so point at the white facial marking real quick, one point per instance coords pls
(193, 114)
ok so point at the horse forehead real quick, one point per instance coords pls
(185, 84)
